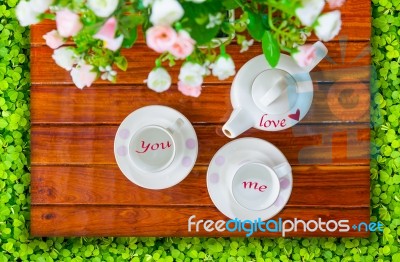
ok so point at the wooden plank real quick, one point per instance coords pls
(67, 104)
(106, 185)
(350, 55)
(356, 24)
(303, 144)
(56, 220)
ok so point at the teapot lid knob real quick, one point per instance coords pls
(274, 91)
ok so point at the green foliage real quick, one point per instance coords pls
(270, 48)
(15, 243)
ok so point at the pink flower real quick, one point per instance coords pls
(188, 90)
(83, 75)
(107, 34)
(335, 3)
(160, 38)
(183, 45)
(68, 23)
(54, 39)
(305, 56)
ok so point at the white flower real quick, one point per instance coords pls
(159, 80)
(246, 44)
(108, 73)
(147, 3)
(65, 58)
(191, 74)
(214, 20)
(103, 8)
(309, 11)
(25, 14)
(40, 6)
(329, 25)
(223, 68)
(83, 75)
(166, 12)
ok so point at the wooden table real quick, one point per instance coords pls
(78, 190)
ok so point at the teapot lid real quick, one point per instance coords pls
(274, 91)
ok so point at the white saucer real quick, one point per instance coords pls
(223, 167)
(242, 93)
(185, 142)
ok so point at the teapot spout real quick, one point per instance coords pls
(239, 121)
(322, 51)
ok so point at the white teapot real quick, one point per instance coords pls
(271, 99)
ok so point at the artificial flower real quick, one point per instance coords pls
(147, 3)
(160, 38)
(183, 46)
(54, 39)
(103, 8)
(305, 55)
(107, 34)
(328, 26)
(83, 75)
(335, 3)
(189, 90)
(159, 80)
(65, 57)
(191, 79)
(246, 44)
(108, 73)
(166, 12)
(224, 67)
(191, 74)
(25, 14)
(68, 23)
(214, 20)
(40, 6)
(309, 11)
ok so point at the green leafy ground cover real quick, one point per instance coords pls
(15, 243)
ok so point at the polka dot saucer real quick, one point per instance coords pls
(225, 165)
(183, 140)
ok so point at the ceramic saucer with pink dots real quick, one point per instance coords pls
(248, 179)
(156, 147)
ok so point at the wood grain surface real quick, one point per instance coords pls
(93, 220)
(342, 144)
(78, 190)
(93, 184)
(141, 61)
(347, 102)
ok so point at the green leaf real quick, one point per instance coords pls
(130, 38)
(230, 4)
(270, 49)
(196, 19)
(255, 26)
(3, 123)
(121, 62)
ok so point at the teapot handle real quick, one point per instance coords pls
(322, 51)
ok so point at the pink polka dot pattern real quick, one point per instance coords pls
(122, 151)
(186, 161)
(124, 133)
(285, 183)
(190, 143)
(219, 160)
(214, 178)
(279, 202)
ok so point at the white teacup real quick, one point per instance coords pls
(152, 148)
(256, 186)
